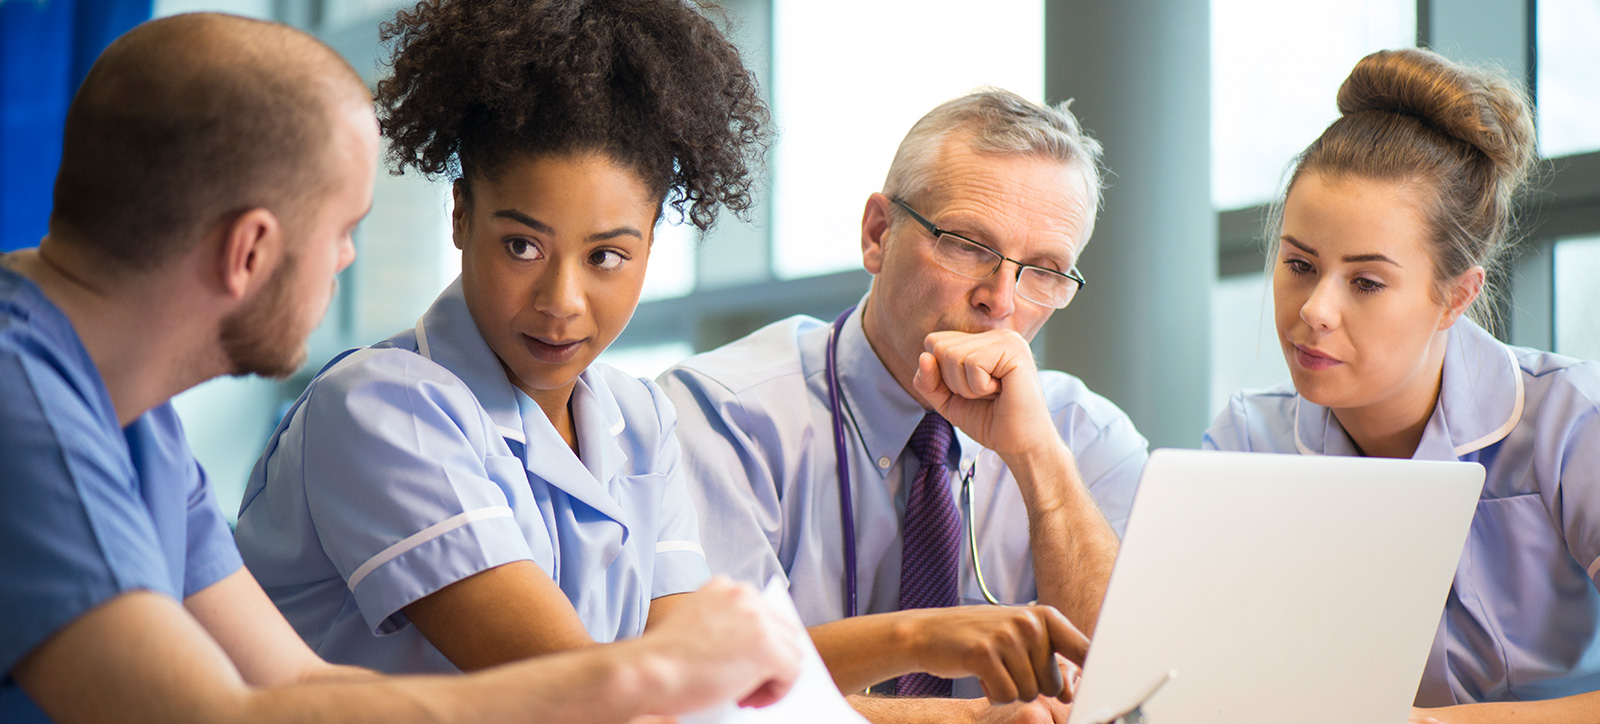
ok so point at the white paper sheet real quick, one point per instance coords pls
(813, 699)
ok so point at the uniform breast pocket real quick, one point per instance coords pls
(648, 488)
(1514, 537)
(1512, 547)
(1513, 562)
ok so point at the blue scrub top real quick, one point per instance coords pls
(88, 509)
(415, 463)
(1522, 620)
(758, 445)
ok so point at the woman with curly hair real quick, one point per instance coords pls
(476, 490)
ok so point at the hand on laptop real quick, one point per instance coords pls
(1011, 649)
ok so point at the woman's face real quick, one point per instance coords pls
(1354, 294)
(553, 255)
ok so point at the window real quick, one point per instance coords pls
(1275, 67)
(249, 8)
(227, 422)
(671, 272)
(1568, 81)
(1577, 296)
(1244, 340)
(646, 360)
(850, 77)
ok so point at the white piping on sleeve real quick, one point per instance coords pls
(423, 536)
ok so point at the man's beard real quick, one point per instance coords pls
(264, 337)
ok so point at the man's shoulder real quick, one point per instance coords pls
(1067, 396)
(46, 376)
(768, 355)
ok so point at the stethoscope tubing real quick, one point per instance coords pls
(842, 465)
(847, 516)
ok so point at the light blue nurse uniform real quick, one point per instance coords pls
(758, 445)
(414, 463)
(1522, 620)
(89, 509)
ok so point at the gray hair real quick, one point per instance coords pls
(998, 122)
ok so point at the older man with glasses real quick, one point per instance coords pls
(910, 457)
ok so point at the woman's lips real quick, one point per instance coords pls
(553, 352)
(1313, 360)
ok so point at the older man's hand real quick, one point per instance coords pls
(1043, 710)
(1013, 650)
(988, 385)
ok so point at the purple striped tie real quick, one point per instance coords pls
(928, 559)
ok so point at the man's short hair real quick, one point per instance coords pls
(998, 122)
(187, 121)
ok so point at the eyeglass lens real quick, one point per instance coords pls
(977, 262)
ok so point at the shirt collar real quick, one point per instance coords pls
(447, 334)
(884, 414)
(1480, 402)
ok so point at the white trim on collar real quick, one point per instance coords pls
(422, 338)
(1510, 423)
(1459, 450)
(511, 434)
(1298, 445)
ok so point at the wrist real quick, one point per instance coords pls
(909, 641)
(637, 679)
(1046, 474)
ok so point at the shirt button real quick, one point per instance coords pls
(883, 462)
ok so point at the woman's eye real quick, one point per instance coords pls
(523, 249)
(1298, 266)
(607, 259)
(1367, 286)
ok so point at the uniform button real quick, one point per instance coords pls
(883, 463)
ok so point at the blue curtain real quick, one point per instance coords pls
(46, 47)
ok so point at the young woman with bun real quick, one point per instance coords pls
(1380, 259)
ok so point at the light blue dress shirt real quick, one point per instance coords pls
(412, 464)
(89, 509)
(759, 455)
(1522, 620)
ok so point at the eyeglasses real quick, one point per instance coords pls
(975, 260)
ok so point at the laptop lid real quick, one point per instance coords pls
(1277, 583)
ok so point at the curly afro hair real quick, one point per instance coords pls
(652, 84)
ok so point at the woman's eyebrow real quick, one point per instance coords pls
(524, 219)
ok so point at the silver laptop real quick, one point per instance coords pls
(1250, 587)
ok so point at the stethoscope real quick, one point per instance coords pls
(841, 453)
(1132, 715)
